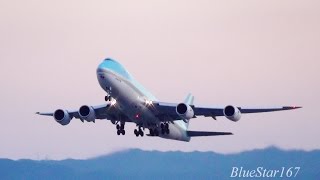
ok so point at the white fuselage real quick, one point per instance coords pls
(130, 99)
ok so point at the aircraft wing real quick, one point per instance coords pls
(105, 111)
(167, 111)
(164, 111)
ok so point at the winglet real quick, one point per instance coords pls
(189, 100)
(44, 114)
(291, 107)
(296, 107)
(205, 133)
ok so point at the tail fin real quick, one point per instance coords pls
(189, 101)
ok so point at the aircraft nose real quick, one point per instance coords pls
(102, 67)
(101, 71)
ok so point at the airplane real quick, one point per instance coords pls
(127, 101)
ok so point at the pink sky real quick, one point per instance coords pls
(246, 53)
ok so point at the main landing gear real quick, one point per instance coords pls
(108, 97)
(165, 128)
(120, 129)
(154, 132)
(138, 132)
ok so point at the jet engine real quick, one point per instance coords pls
(62, 117)
(87, 113)
(232, 113)
(184, 111)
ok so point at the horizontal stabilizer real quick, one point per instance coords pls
(204, 133)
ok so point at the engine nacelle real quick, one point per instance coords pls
(62, 117)
(87, 113)
(184, 111)
(232, 113)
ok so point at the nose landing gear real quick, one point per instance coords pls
(154, 132)
(107, 98)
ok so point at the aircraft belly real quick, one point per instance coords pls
(131, 104)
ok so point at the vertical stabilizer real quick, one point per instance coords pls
(189, 100)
